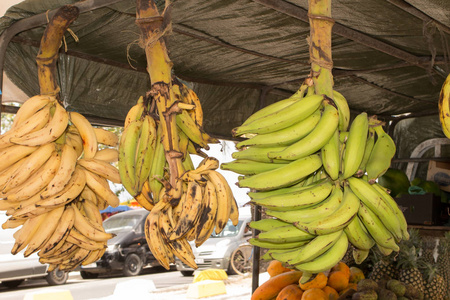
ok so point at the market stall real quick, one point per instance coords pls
(389, 59)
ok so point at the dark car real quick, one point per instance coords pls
(128, 251)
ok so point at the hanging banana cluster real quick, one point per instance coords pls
(444, 107)
(316, 176)
(54, 181)
(205, 201)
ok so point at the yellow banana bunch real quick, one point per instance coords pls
(314, 173)
(50, 165)
(185, 203)
(444, 107)
(206, 205)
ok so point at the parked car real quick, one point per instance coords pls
(228, 250)
(128, 251)
(15, 269)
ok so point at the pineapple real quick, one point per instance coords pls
(429, 246)
(383, 266)
(435, 286)
(408, 264)
(443, 261)
(409, 261)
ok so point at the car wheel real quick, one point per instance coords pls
(13, 283)
(187, 273)
(133, 265)
(87, 275)
(57, 277)
(241, 260)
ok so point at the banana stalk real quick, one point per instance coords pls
(321, 24)
(152, 27)
(48, 51)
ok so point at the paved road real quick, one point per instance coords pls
(96, 288)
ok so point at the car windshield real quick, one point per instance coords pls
(119, 223)
(229, 230)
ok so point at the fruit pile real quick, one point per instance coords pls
(284, 283)
(54, 181)
(203, 202)
(315, 175)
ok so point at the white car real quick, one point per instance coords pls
(228, 250)
(15, 269)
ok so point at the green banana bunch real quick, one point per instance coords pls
(314, 192)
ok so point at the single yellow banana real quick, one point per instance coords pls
(66, 168)
(101, 168)
(106, 137)
(87, 133)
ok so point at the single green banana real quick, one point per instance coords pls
(193, 130)
(338, 220)
(344, 110)
(285, 234)
(370, 142)
(355, 145)
(328, 259)
(145, 151)
(382, 153)
(249, 167)
(270, 252)
(358, 235)
(384, 251)
(267, 224)
(127, 153)
(376, 228)
(315, 140)
(372, 199)
(270, 245)
(286, 117)
(294, 188)
(286, 136)
(331, 156)
(394, 206)
(283, 176)
(274, 107)
(360, 255)
(321, 210)
(258, 154)
(297, 200)
(316, 247)
(157, 169)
